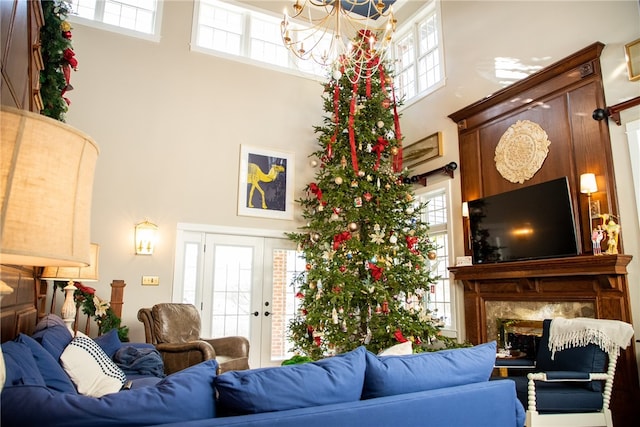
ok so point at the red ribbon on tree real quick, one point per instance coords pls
(336, 117)
(378, 149)
(376, 272)
(316, 190)
(352, 134)
(338, 239)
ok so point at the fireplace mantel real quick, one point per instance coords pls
(601, 280)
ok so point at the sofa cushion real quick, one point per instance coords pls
(90, 369)
(389, 375)
(109, 342)
(184, 396)
(54, 339)
(332, 380)
(54, 376)
(20, 365)
(402, 349)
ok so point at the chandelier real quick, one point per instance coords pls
(341, 35)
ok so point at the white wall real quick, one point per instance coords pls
(169, 122)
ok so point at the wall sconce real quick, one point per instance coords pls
(465, 210)
(72, 275)
(467, 224)
(588, 185)
(146, 238)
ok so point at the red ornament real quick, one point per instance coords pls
(399, 337)
(343, 268)
(386, 103)
(308, 266)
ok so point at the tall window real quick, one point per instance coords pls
(137, 16)
(418, 54)
(440, 299)
(243, 33)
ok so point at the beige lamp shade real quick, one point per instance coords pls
(588, 184)
(79, 274)
(46, 184)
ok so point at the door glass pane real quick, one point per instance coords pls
(190, 277)
(287, 264)
(231, 290)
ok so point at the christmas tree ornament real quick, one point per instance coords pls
(367, 196)
(357, 202)
(361, 173)
(380, 124)
(394, 150)
(336, 74)
(393, 239)
(354, 184)
(313, 163)
(432, 255)
(353, 226)
(369, 178)
(386, 103)
(338, 180)
(314, 237)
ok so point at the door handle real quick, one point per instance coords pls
(266, 313)
(256, 313)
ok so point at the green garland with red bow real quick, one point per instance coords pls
(58, 57)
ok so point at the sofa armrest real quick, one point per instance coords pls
(231, 347)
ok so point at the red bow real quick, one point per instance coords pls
(378, 149)
(411, 241)
(399, 337)
(376, 272)
(68, 55)
(339, 238)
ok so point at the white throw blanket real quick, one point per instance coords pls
(609, 335)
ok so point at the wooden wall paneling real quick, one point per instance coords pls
(20, 60)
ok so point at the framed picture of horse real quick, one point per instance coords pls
(265, 183)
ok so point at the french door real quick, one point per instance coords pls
(242, 286)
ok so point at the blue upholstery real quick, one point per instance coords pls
(389, 375)
(185, 395)
(580, 359)
(572, 363)
(109, 342)
(54, 339)
(54, 376)
(331, 380)
(21, 368)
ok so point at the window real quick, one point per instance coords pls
(134, 17)
(418, 55)
(440, 300)
(245, 34)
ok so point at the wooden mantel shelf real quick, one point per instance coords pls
(555, 267)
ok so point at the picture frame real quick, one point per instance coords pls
(265, 183)
(632, 53)
(423, 150)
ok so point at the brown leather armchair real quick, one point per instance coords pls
(174, 329)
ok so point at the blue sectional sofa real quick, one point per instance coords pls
(358, 388)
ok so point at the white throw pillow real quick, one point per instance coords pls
(402, 349)
(90, 369)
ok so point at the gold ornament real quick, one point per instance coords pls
(432, 255)
(394, 150)
(353, 226)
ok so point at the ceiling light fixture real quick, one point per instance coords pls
(342, 35)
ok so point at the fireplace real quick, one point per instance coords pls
(500, 295)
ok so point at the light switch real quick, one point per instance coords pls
(150, 280)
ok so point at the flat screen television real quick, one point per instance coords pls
(532, 222)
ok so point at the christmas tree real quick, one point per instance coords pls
(367, 250)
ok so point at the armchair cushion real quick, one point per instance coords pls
(176, 323)
(565, 397)
(332, 380)
(583, 359)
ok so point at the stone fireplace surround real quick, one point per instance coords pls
(581, 286)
